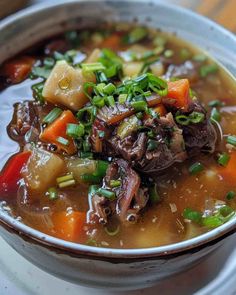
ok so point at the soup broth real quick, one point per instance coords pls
(120, 137)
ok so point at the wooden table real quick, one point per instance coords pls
(221, 11)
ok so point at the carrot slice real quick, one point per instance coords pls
(159, 109)
(58, 129)
(179, 91)
(229, 172)
(68, 226)
(18, 69)
(111, 42)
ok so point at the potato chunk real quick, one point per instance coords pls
(42, 169)
(64, 86)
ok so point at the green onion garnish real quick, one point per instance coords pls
(115, 183)
(223, 159)
(212, 221)
(208, 69)
(98, 101)
(215, 103)
(230, 195)
(231, 139)
(168, 53)
(53, 194)
(92, 67)
(110, 101)
(195, 168)
(139, 105)
(90, 178)
(182, 120)
(112, 233)
(192, 215)
(215, 115)
(159, 41)
(62, 140)
(49, 62)
(37, 91)
(106, 193)
(85, 155)
(87, 115)
(185, 54)
(136, 35)
(199, 57)
(101, 168)
(122, 98)
(109, 89)
(196, 117)
(101, 77)
(154, 197)
(65, 181)
(75, 130)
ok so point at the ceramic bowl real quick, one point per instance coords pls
(117, 269)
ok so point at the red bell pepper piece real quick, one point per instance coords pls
(11, 173)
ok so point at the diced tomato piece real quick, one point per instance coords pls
(11, 173)
(112, 42)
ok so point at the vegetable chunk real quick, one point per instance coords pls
(42, 169)
(64, 86)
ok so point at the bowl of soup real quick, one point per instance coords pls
(118, 142)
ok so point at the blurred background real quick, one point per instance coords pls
(221, 11)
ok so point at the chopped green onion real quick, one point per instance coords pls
(53, 194)
(196, 117)
(137, 35)
(92, 67)
(192, 215)
(115, 183)
(64, 178)
(182, 120)
(199, 57)
(49, 62)
(122, 98)
(87, 115)
(90, 178)
(109, 88)
(106, 193)
(37, 91)
(223, 159)
(100, 77)
(225, 210)
(168, 53)
(101, 168)
(110, 101)
(231, 139)
(66, 183)
(154, 197)
(152, 145)
(42, 72)
(212, 221)
(208, 69)
(112, 233)
(157, 84)
(230, 195)
(215, 103)
(62, 140)
(159, 41)
(185, 54)
(139, 105)
(98, 101)
(87, 87)
(215, 115)
(75, 130)
(195, 168)
(52, 116)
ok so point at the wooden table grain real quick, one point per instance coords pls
(221, 11)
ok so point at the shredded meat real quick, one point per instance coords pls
(25, 125)
(130, 197)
